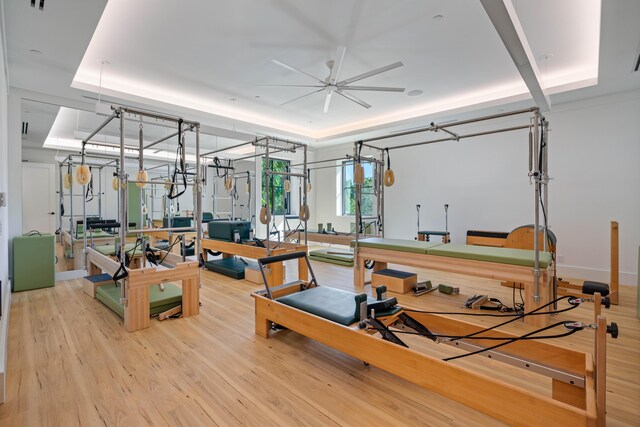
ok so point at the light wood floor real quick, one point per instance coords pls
(71, 363)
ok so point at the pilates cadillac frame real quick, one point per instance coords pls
(538, 168)
(136, 281)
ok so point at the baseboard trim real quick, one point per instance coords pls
(70, 275)
(597, 275)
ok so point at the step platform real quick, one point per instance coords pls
(91, 283)
(395, 280)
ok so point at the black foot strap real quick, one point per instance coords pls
(412, 323)
(387, 335)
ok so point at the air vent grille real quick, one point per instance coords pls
(40, 4)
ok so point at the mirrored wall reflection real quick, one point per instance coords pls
(54, 201)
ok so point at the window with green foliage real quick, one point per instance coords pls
(349, 190)
(280, 201)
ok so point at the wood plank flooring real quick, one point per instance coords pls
(72, 363)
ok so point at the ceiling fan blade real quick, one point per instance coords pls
(303, 96)
(373, 88)
(327, 100)
(370, 73)
(354, 99)
(290, 68)
(289, 86)
(337, 64)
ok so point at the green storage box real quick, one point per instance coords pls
(34, 262)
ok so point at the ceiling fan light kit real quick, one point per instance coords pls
(332, 85)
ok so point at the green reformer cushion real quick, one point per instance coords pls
(159, 301)
(112, 249)
(231, 267)
(329, 303)
(96, 234)
(400, 245)
(331, 261)
(332, 256)
(486, 253)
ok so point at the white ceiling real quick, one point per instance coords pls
(225, 50)
(72, 126)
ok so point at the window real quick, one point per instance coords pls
(280, 200)
(349, 190)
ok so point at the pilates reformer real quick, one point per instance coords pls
(370, 330)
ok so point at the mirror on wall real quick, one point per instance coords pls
(54, 202)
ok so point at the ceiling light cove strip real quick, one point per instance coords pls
(505, 20)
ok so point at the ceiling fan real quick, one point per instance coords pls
(332, 85)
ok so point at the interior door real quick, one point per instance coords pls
(38, 198)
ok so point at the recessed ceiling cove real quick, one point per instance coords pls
(201, 54)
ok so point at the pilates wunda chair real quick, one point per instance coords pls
(364, 327)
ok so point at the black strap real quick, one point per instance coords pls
(89, 187)
(388, 158)
(182, 170)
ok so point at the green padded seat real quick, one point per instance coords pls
(400, 245)
(159, 301)
(329, 303)
(112, 249)
(490, 254)
(230, 267)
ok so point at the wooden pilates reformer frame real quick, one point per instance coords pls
(136, 285)
(231, 249)
(470, 267)
(578, 379)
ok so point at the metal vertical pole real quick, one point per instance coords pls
(61, 187)
(71, 230)
(124, 220)
(545, 181)
(357, 222)
(100, 192)
(536, 211)
(117, 189)
(198, 206)
(267, 178)
(85, 229)
(304, 192)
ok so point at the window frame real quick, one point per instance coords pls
(287, 195)
(367, 190)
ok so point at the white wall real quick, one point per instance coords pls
(594, 161)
